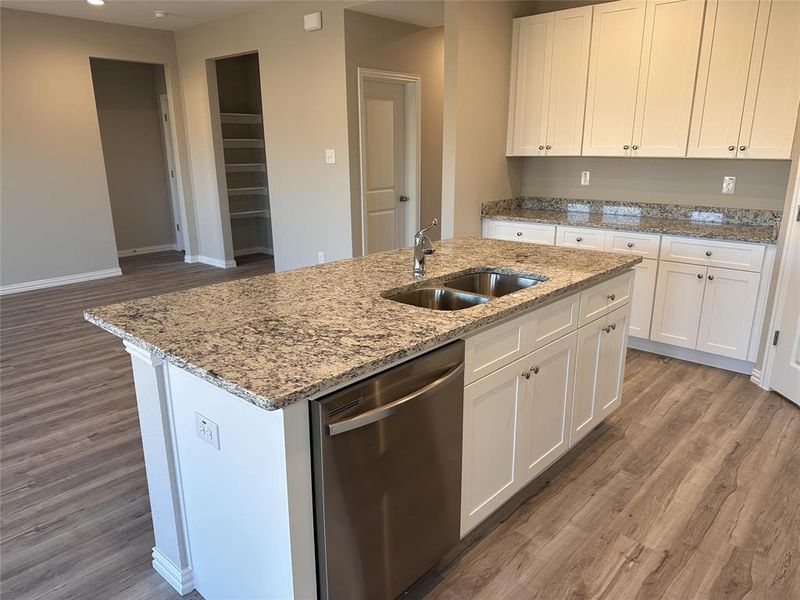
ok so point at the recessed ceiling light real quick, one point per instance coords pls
(96, 2)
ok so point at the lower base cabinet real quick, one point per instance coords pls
(521, 418)
(644, 287)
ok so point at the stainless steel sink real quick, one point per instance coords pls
(491, 283)
(439, 299)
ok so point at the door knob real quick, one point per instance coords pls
(403, 198)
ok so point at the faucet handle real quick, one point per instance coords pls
(433, 224)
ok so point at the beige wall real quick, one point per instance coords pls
(759, 183)
(376, 43)
(55, 216)
(304, 107)
(133, 151)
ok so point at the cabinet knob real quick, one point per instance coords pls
(742, 148)
(612, 297)
(708, 252)
(711, 278)
(578, 239)
(634, 147)
(541, 147)
(630, 244)
(525, 374)
(548, 147)
(625, 147)
(519, 234)
(731, 148)
(613, 326)
(535, 370)
(607, 329)
(699, 275)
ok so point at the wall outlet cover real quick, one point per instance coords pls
(207, 430)
(312, 21)
(330, 156)
(728, 184)
(320, 257)
(585, 177)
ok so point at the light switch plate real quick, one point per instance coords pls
(207, 430)
(330, 156)
(728, 184)
(312, 21)
(584, 177)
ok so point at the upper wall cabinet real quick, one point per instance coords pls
(550, 59)
(641, 77)
(748, 81)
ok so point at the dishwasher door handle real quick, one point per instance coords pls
(377, 414)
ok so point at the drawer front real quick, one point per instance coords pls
(524, 232)
(553, 321)
(731, 255)
(644, 244)
(604, 297)
(494, 348)
(578, 237)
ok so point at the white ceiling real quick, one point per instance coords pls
(425, 13)
(182, 13)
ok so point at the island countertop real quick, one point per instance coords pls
(279, 338)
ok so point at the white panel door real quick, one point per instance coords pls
(533, 44)
(613, 347)
(383, 165)
(546, 406)
(489, 444)
(725, 52)
(644, 289)
(587, 372)
(572, 31)
(773, 87)
(729, 305)
(666, 77)
(617, 29)
(678, 303)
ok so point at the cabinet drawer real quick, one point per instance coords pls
(494, 348)
(644, 244)
(604, 297)
(552, 322)
(578, 237)
(731, 255)
(523, 232)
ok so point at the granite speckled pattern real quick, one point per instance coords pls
(279, 338)
(736, 224)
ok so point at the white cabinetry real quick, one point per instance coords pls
(644, 288)
(532, 233)
(550, 58)
(577, 237)
(678, 302)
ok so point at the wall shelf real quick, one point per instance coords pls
(251, 214)
(245, 167)
(259, 190)
(242, 143)
(239, 118)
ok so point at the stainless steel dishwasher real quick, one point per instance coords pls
(387, 476)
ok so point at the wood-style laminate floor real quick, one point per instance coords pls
(691, 490)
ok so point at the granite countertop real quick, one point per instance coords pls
(744, 225)
(279, 338)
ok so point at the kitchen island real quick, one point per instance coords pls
(224, 374)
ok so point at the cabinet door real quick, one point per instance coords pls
(729, 306)
(500, 345)
(773, 87)
(613, 347)
(575, 237)
(617, 29)
(571, 35)
(722, 78)
(644, 289)
(524, 232)
(532, 47)
(587, 370)
(489, 445)
(678, 302)
(545, 408)
(666, 77)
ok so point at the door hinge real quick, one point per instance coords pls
(775, 337)
(166, 119)
(178, 226)
(172, 173)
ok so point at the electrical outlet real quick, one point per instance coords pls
(728, 184)
(330, 156)
(207, 430)
(320, 257)
(584, 177)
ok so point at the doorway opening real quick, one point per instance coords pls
(236, 107)
(132, 105)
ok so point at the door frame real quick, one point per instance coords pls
(172, 183)
(413, 114)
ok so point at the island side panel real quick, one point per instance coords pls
(170, 555)
(248, 504)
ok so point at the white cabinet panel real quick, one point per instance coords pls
(728, 309)
(489, 445)
(546, 407)
(613, 346)
(666, 77)
(551, 322)
(678, 302)
(643, 244)
(580, 237)
(727, 45)
(587, 371)
(616, 48)
(597, 301)
(713, 253)
(520, 232)
(773, 87)
(497, 346)
(644, 289)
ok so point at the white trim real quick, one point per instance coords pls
(27, 286)
(180, 579)
(695, 356)
(756, 378)
(191, 258)
(253, 250)
(171, 170)
(216, 262)
(413, 114)
(146, 250)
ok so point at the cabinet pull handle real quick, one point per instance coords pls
(535, 370)
(699, 275)
(541, 147)
(519, 234)
(742, 148)
(612, 297)
(708, 252)
(579, 239)
(731, 148)
(525, 374)
(630, 244)
(548, 147)
(711, 278)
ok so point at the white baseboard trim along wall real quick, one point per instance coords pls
(207, 260)
(253, 250)
(146, 250)
(27, 286)
(696, 356)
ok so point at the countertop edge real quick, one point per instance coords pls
(332, 383)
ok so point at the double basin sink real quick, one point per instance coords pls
(467, 290)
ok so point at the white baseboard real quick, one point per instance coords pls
(757, 378)
(191, 258)
(146, 250)
(253, 250)
(695, 356)
(216, 262)
(181, 580)
(27, 286)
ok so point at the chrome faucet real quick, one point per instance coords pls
(422, 247)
